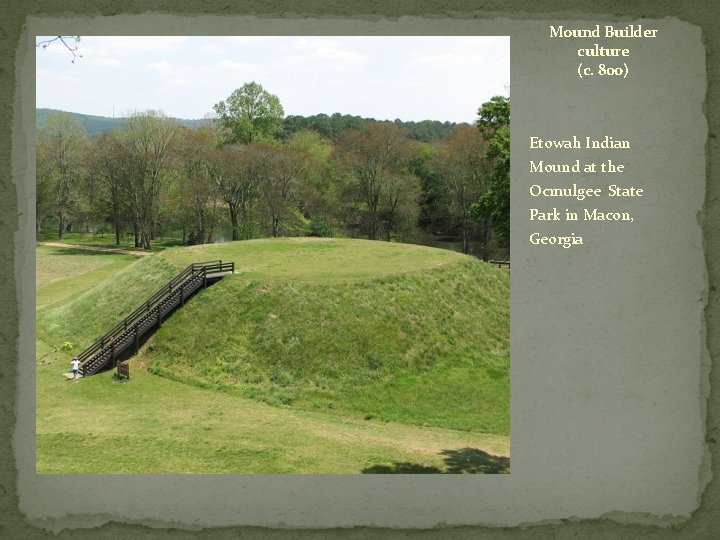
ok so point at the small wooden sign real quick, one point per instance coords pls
(123, 369)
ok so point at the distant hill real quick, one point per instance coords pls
(329, 126)
(98, 124)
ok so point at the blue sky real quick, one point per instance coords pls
(411, 78)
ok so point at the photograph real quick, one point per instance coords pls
(272, 255)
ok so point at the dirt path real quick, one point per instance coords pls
(95, 248)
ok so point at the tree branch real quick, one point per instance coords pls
(62, 39)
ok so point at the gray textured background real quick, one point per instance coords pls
(635, 398)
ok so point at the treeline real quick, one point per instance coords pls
(334, 125)
(330, 126)
(244, 172)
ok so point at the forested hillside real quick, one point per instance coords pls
(328, 126)
(252, 172)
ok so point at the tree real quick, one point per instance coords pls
(236, 176)
(494, 205)
(250, 114)
(61, 155)
(197, 191)
(376, 160)
(461, 164)
(111, 166)
(279, 171)
(148, 137)
(317, 196)
(70, 43)
(435, 214)
(494, 114)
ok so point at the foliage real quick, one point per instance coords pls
(381, 186)
(329, 126)
(197, 194)
(319, 227)
(494, 205)
(149, 139)
(61, 157)
(332, 126)
(460, 162)
(250, 114)
(338, 175)
(97, 125)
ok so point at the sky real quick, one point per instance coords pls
(412, 78)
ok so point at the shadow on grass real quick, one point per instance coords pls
(62, 251)
(463, 461)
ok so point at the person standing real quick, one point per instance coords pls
(75, 366)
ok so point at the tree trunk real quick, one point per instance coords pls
(136, 232)
(234, 222)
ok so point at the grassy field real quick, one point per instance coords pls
(353, 357)
(106, 240)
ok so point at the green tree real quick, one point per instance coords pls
(149, 138)
(435, 215)
(317, 195)
(376, 160)
(234, 170)
(250, 114)
(494, 205)
(61, 162)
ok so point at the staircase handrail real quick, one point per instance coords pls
(190, 272)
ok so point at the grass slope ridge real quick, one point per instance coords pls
(425, 341)
(85, 317)
(356, 328)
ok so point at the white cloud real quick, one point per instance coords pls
(162, 67)
(212, 48)
(104, 62)
(126, 44)
(328, 49)
(449, 60)
(179, 81)
(230, 65)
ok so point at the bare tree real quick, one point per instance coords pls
(62, 151)
(69, 42)
(148, 137)
(280, 170)
(376, 158)
(463, 168)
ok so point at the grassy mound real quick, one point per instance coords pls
(366, 329)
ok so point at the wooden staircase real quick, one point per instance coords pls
(150, 314)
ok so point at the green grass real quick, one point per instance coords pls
(154, 425)
(106, 240)
(95, 308)
(317, 260)
(331, 356)
(61, 272)
(427, 348)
